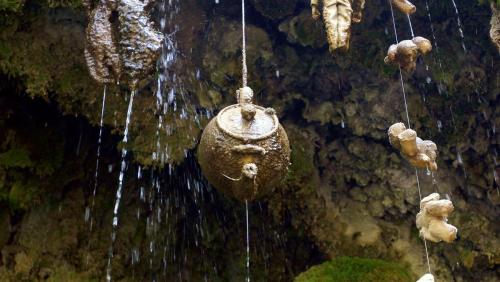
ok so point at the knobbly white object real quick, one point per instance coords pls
(432, 220)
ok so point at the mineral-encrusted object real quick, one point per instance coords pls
(405, 53)
(495, 25)
(128, 46)
(420, 153)
(101, 54)
(140, 42)
(426, 278)
(432, 220)
(244, 151)
(404, 6)
(338, 15)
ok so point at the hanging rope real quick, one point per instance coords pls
(248, 243)
(400, 72)
(408, 119)
(244, 70)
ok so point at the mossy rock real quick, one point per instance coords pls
(347, 269)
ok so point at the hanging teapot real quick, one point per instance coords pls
(244, 151)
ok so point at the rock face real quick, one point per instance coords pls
(348, 192)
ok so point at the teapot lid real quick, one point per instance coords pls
(235, 121)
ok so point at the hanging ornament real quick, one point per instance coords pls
(125, 50)
(420, 153)
(244, 151)
(404, 6)
(338, 15)
(426, 278)
(432, 220)
(405, 53)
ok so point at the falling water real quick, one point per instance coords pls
(459, 23)
(123, 168)
(433, 36)
(88, 216)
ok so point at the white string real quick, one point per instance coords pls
(400, 72)
(248, 243)
(244, 70)
(408, 118)
(425, 241)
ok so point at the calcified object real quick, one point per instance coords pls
(404, 6)
(426, 278)
(420, 153)
(405, 53)
(244, 151)
(140, 43)
(338, 15)
(432, 220)
(101, 52)
(495, 26)
(129, 46)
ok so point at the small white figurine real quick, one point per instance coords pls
(432, 219)
(420, 153)
(426, 278)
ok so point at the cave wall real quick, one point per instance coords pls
(348, 191)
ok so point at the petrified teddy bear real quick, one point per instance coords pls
(405, 53)
(432, 219)
(338, 15)
(420, 153)
(426, 278)
(405, 6)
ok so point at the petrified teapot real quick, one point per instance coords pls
(244, 151)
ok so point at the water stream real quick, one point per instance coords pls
(123, 168)
(459, 24)
(89, 215)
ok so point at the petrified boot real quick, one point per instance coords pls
(140, 42)
(101, 53)
(420, 153)
(405, 6)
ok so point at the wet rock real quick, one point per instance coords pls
(275, 10)
(303, 30)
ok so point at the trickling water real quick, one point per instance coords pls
(459, 24)
(433, 35)
(342, 123)
(123, 168)
(98, 157)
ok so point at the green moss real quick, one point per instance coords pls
(11, 5)
(355, 269)
(15, 158)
